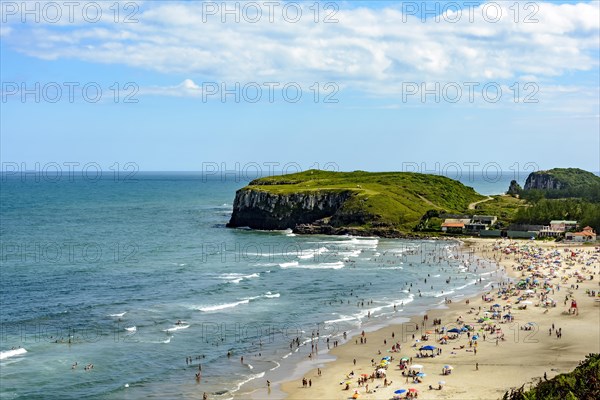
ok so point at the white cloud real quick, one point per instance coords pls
(5, 31)
(372, 50)
(187, 88)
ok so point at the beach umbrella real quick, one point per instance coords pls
(454, 330)
(404, 359)
(381, 371)
(413, 390)
(386, 358)
(448, 367)
(442, 382)
(364, 374)
(421, 375)
(400, 391)
(416, 366)
(431, 348)
(496, 305)
(526, 302)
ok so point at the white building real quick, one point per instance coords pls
(586, 235)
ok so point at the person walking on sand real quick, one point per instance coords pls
(476, 366)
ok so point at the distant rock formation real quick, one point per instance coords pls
(514, 189)
(560, 179)
(543, 181)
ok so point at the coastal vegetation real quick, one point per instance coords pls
(581, 383)
(544, 210)
(561, 194)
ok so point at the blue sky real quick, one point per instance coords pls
(374, 59)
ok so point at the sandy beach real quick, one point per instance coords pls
(524, 332)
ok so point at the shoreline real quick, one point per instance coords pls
(516, 361)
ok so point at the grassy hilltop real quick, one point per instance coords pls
(393, 199)
(569, 177)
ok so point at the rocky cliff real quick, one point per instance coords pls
(543, 181)
(561, 179)
(259, 209)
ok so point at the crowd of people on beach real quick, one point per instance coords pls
(544, 274)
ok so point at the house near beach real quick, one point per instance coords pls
(560, 225)
(586, 235)
(455, 225)
(471, 225)
(557, 228)
(484, 219)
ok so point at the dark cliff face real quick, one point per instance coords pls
(263, 210)
(542, 181)
(514, 188)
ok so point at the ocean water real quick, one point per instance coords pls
(134, 276)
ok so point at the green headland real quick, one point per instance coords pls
(396, 204)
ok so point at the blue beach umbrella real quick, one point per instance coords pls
(428, 348)
(454, 330)
(421, 375)
(400, 391)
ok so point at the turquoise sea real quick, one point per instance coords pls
(136, 275)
